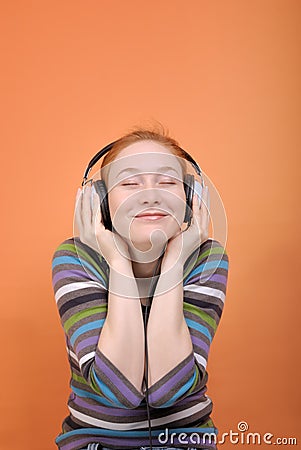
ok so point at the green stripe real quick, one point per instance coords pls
(214, 251)
(211, 251)
(82, 315)
(202, 314)
(195, 381)
(78, 251)
(93, 384)
(188, 269)
(79, 378)
(208, 424)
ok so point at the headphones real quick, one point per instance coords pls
(191, 186)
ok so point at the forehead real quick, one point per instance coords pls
(144, 157)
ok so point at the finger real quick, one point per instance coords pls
(78, 207)
(178, 233)
(86, 207)
(205, 209)
(196, 212)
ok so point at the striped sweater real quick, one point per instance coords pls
(104, 405)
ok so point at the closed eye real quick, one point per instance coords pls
(167, 182)
(130, 181)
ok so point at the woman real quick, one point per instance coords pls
(130, 370)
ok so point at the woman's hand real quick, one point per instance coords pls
(93, 233)
(180, 247)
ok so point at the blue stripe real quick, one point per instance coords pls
(181, 391)
(199, 327)
(107, 392)
(208, 266)
(87, 327)
(84, 394)
(78, 262)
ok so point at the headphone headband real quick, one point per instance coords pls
(96, 158)
(108, 147)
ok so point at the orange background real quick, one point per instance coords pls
(224, 77)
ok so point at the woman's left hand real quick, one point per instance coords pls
(181, 246)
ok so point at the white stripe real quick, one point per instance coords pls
(201, 360)
(205, 290)
(136, 425)
(73, 355)
(75, 287)
(86, 358)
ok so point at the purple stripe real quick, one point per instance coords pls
(86, 343)
(118, 383)
(105, 410)
(199, 343)
(217, 278)
(139, 442)
(167, 386)
(205, 441)
(72, 273)
(82, 442)
(130, 442)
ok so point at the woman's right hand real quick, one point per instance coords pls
(93, 233)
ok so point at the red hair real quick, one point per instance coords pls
(143, 134)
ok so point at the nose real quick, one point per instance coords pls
(150, 196)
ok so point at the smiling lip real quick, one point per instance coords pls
(151, 215)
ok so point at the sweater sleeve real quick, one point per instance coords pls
(80, 281)
(205, 280)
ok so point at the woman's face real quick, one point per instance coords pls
(146, 194)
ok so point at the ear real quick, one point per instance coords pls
(198, 189)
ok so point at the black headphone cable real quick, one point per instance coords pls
(152, 288)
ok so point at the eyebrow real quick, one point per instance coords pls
(133, 170)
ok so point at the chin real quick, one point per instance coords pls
(157, 238)
(145, 236)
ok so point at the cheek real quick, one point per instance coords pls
(116, 202)
(179, 205)
(112, 204)
(119, 211)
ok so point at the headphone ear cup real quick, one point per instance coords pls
(189, 191)
(101, 189)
